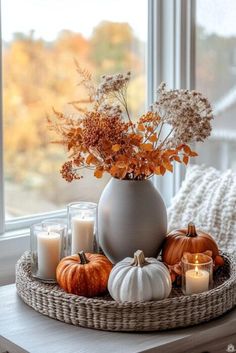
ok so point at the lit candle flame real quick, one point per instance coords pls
(196, 270)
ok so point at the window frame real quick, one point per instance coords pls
(174, 41)
(2, 207)
(170, 58)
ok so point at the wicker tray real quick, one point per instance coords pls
(105, 314)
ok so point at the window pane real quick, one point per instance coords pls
(216, 77)
(41, 39)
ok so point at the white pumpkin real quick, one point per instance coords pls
(139, 279)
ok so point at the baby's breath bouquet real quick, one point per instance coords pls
(103, 136)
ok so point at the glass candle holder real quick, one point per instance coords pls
(82, 218)
(47, 242)
(58, 225)
(197, 273)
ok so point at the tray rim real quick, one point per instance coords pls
(55, 293)
(51, 286)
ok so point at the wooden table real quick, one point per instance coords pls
(24, 330)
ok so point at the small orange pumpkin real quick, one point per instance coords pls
(188, 240)
(84, 274)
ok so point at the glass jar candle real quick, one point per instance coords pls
(82, 226)
(47, 242)
(58, 225)
(197, 273)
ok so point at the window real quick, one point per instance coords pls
(41, 39)
(216, 77)
(39, 46)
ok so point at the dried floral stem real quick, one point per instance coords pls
(161, 127)
(150, 134)
(122, 98)
(166, 138)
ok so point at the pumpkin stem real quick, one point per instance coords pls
(139, 259)
(191, 230)
(83, 258)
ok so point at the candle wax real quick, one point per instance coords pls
(197, 281)
(49, 252)
(82, 234)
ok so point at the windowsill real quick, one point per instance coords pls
(14, 226)
(11, 235)
(12, 245)
(16, 241)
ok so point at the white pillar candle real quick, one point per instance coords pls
(82, 230)
(49, 252)
(197, 281)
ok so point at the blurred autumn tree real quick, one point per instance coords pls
(120, 45)
(39, 75)
(116, 49)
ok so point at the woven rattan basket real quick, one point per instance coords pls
(105, 314)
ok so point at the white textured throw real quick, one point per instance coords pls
(208, 198)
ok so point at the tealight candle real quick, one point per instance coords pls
(196, 273)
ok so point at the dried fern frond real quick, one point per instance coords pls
(84, 73)
(81, 101)
(86, 80)
(58, 114)
(59, 142)
(79, 109)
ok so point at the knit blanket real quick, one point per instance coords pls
(207, 197)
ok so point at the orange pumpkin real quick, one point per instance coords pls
(188, 240)
(84, 274)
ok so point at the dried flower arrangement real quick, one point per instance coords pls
(103, 137)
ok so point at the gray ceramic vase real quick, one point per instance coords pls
(131, 216)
